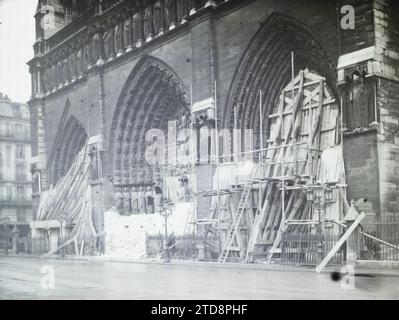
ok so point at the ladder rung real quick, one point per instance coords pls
(232, 249)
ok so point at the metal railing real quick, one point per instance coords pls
(309, 249)
(185, 247)
(379, 239)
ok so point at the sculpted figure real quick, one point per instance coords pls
(149, 197)
(134, 201)
(108, 43)
(86, 61)
(119, 200)
(79, 63)
(60, 78)
(127, 205)
(52, 77)
(170, 13)
(157, 199)
(66, 69)
(127, 33)
(182, 10)
(45, 82)
(193, 6)
(72, 65)
(118, 39)
(137, 29)
(96, 48)
(148, 23)
(361, 111)
(141, 200)
(158, 18)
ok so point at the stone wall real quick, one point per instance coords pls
(388, 146)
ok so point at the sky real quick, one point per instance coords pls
(17, 35)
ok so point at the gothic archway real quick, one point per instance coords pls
(69, 141)
(266, 66)
(152, 96)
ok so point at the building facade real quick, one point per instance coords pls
(109, 71)
(15, 175)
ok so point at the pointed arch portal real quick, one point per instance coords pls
(69, 141)
(152, 96)
(266, 66)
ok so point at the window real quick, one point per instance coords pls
(9, 192)
(20, 151)
(9, 158)
(20, 193)
(17, 111)
(20, 172)
(18, 130)
(21, 214)
(10, 132)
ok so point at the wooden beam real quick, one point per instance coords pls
(340, 242)
(58, 248)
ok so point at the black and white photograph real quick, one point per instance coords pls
(199, 150)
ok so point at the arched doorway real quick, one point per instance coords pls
(69, 141)
(152, 96)
(266, 67)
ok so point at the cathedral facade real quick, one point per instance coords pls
(108, 72)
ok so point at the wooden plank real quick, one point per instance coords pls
(340, 242)
(58, 248)
(76, 246)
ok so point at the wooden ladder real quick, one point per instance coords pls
(227, 247)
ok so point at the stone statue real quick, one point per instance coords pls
(138, 29)
(134, 201)
(157, 199)
(184, 190)
(108, 43)
(127, 34)
(182, 10)
(119, 200)
(127, 205)
(52, 78)
(170, 13)
(149, 198)
(86, 56)
(362, 102)
(60, 77)
(93, 163)
(193, 6)
(118, 39)
(158, 18)
(66, 70)
(79, 63)
(148, 23)
(141, 200)
(96, 48)
(45, 82)
(72, 65)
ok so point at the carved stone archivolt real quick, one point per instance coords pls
(152, 96)
(266, 66)
(69, 141)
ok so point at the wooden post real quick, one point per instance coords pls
(75, 241)
(352, 243)
(340, 242)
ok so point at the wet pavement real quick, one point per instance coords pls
(31, 278)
